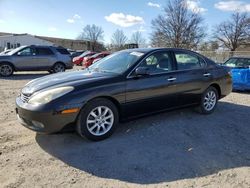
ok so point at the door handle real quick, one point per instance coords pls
(171, 79)
(207, 74)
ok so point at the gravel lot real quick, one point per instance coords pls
(174, 149)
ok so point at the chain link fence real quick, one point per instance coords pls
(222, 56)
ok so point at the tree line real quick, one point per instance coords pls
(178, 26)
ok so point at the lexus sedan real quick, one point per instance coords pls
(124, 85)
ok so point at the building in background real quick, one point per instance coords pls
(10, 41)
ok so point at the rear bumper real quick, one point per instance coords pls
(226, 86)
(42, 120)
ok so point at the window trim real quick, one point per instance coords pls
(37, 54)
(129, 75)
(192, 54)
(24, 49)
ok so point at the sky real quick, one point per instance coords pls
(66, 18)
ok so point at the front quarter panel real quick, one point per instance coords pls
(112, 88)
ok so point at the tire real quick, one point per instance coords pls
(6, 69)
(209, 101)
(51, 71)
(58, 67)
(97, 128)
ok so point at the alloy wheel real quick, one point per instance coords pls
(59, 68)
(6, 70)
(100, 120)
(210, 100)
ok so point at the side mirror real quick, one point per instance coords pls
(142, 71)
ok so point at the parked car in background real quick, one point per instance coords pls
(127, 84)
(240, 70)
(77, 53)
(87, 61)
(35, 58)
(78, 60)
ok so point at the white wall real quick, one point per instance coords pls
(22, 40)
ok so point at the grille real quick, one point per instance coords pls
(25, 98)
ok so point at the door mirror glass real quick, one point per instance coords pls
(140, 71)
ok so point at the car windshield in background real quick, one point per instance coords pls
(85, 53)
(238, 63)
(116, 63)
(15, 50)
(96, 55)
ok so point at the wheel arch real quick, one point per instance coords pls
(217, 87)
(11, 64)
(60, 63)
(110, 98)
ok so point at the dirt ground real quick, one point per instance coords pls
(173, 149)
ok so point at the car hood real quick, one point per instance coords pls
(4, 56)
(63, 79)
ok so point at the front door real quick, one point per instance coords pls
(154, 91)
(24, 58)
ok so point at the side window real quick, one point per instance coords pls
(242, 62)
(63, 51)
(158, 62)
(26, 52)
(188, 61)
(44, 51)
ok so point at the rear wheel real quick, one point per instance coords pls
(6, 70)
(208, 101)
(58, 67)
(97, 120)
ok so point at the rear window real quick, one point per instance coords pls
(188, 61)
(63, 51)
(44, 51)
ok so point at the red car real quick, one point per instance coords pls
(78, 60)
(87, 61)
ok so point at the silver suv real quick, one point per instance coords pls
(35, 58)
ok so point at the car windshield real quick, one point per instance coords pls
(238, 62)
(118, 62)
(85, 53)
(96, 55)
(15, 50)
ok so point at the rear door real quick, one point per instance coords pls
(44, 58)
(193, 77)
(155, 91)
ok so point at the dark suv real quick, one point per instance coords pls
(35, 58)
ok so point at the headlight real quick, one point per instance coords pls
(49, 95)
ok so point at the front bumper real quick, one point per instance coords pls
(41, 119)
(241, 86)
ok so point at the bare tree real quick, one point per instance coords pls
(92, 33)
(118, 39)
(234, 32)
(178, 26)
(137, 38)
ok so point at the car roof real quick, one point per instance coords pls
(146, 50)
(241, 57)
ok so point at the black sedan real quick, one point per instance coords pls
(124, 85)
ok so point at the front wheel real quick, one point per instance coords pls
(6, 70)
(208, 101)
(97, 120)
